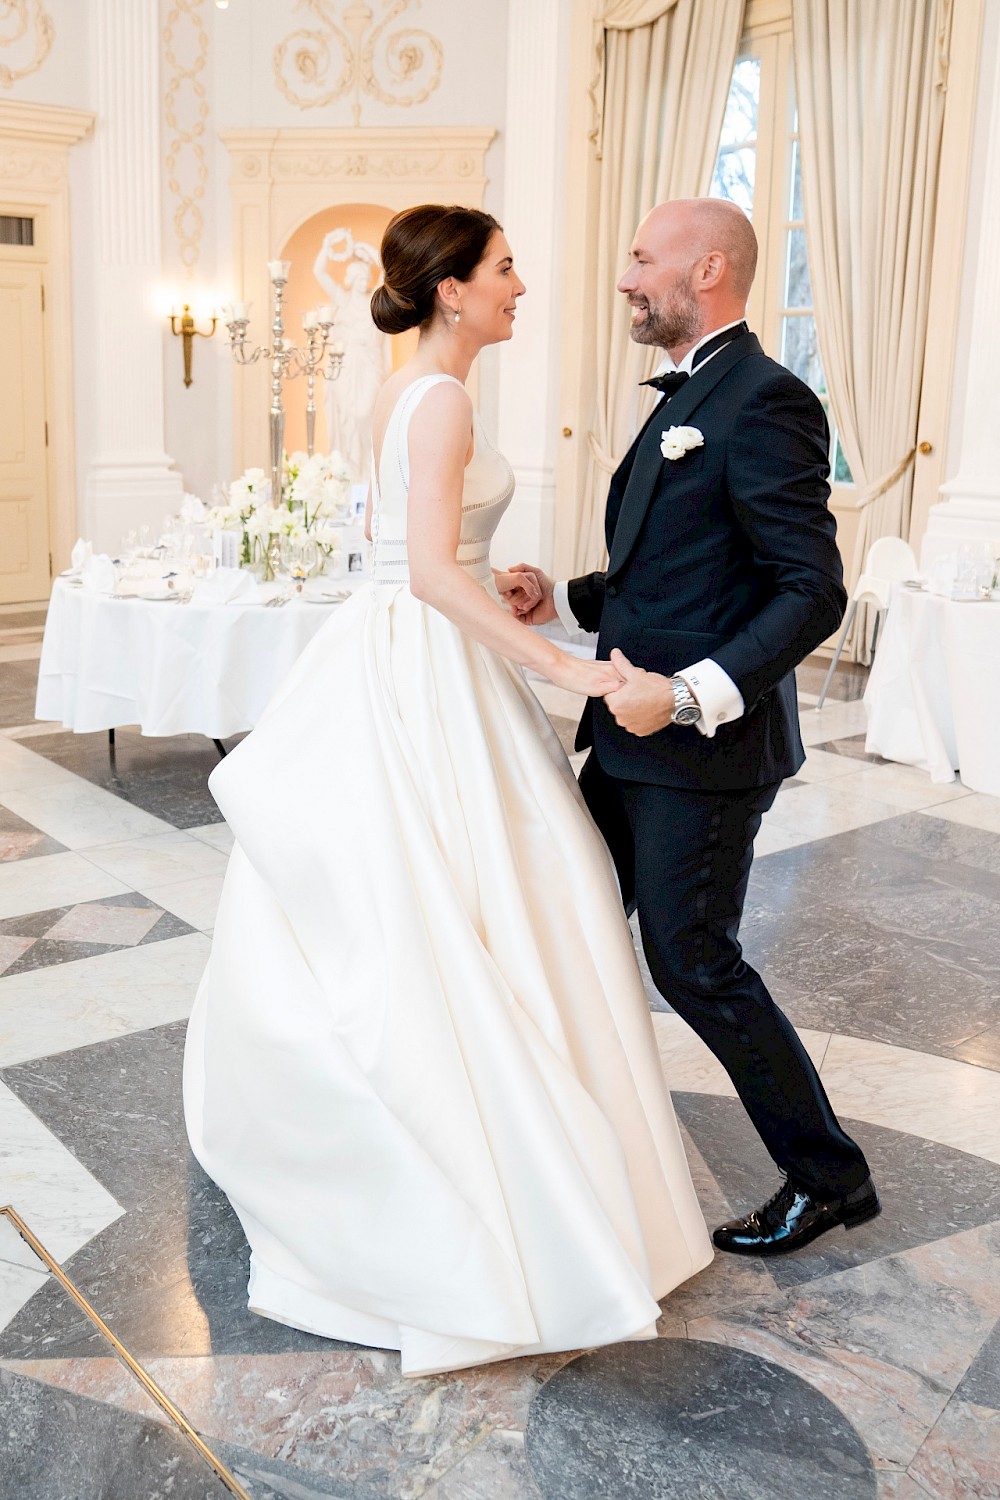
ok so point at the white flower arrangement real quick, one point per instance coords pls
(314, 493)
(676, 441)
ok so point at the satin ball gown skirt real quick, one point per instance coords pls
(421, 1063)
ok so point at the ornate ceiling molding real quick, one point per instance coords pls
(17, 17)
(185, 111)
(352, 56)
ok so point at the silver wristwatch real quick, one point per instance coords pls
(687, 709)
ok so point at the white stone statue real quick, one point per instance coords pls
(351, 397)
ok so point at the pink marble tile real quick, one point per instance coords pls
(961, 1458)
(15, 844)
(11, 948)
(93, 923)
(348, 1412)
(893, 1485)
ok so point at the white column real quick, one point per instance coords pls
(534, 209)
(131, 482)
(970, 510)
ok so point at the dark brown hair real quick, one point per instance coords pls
(421, 247)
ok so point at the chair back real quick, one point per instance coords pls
(892, 559)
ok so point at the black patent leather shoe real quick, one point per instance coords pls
(793, 1218)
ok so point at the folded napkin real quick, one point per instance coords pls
(226, 586)
(81, 553)
(192, 509)
(98, 574)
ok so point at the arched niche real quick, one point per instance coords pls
(284, 181)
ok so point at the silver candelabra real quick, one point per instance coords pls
(320, 358)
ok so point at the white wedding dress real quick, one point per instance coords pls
(421, 1062)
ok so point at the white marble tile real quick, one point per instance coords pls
(17, 1286)
(904, 787)
(822, 766)
(22, 768)
(936, 1098)
(773, 837)
(71, 1005)
(52, 880)
(689, 1066)
(823, 809)
(158, 859)
(975, 811)
(13, 1250)
(81, 815)
(36, 730)
(219, 835)
(834, 721)
(28, 651)
(58, 1199)
(194, 901)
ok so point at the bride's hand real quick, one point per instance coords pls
(519, 591)
(593, 679)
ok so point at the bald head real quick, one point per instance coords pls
(704, 226)
(692, 267)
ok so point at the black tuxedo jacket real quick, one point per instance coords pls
(728, 552)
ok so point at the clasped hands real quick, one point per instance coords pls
(641, 702)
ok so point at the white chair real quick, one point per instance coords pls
(889, 561)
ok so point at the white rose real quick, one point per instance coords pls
(676, 441)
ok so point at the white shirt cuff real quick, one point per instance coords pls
(719, 699)
(567, 619)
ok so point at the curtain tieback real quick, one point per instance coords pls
(600, 457)
(876, 491)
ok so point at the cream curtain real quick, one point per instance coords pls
(661, 95)
(870, 83)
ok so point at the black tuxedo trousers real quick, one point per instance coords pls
(683, 860)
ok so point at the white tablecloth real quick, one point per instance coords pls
(933, 698)
(171, 668)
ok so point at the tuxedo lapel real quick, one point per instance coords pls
(648, 461)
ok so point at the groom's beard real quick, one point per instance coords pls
(675, 320)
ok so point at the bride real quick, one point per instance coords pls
(421, 1062)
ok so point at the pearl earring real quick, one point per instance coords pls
(458, 315)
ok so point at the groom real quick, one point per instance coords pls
(723, 574)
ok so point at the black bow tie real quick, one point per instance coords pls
(671, 382)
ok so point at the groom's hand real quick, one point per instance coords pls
(646, 701)
(543, 610)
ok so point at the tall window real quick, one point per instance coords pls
(758, 167)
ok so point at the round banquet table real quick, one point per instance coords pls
(170, 667)
(933, 697)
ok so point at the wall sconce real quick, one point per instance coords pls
(187, 332)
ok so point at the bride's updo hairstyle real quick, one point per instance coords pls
(421, 248)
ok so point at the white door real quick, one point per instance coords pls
(24, 501)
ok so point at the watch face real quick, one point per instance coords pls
(688, 715)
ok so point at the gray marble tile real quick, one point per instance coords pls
(981, 1382)
(852, 746)
(849, 680)
(983, 1049)
(676, 1419)
(59, 1446)
(18, 682)
(165, 777)
(928, 1191)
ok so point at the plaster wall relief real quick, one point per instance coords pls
(352, 54)
(185, 112)
(27, 32)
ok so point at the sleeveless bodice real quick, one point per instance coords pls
(486, 493)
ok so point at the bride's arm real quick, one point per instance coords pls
(439, 437)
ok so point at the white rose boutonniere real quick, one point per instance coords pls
(676, 441)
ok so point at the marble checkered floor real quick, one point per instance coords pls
(867, 1368)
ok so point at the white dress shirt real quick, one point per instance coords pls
(718, 697)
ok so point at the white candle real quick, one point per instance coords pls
(239, 312)
(326, 314)
(278, 269)
(337, 348)
(310, 320)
